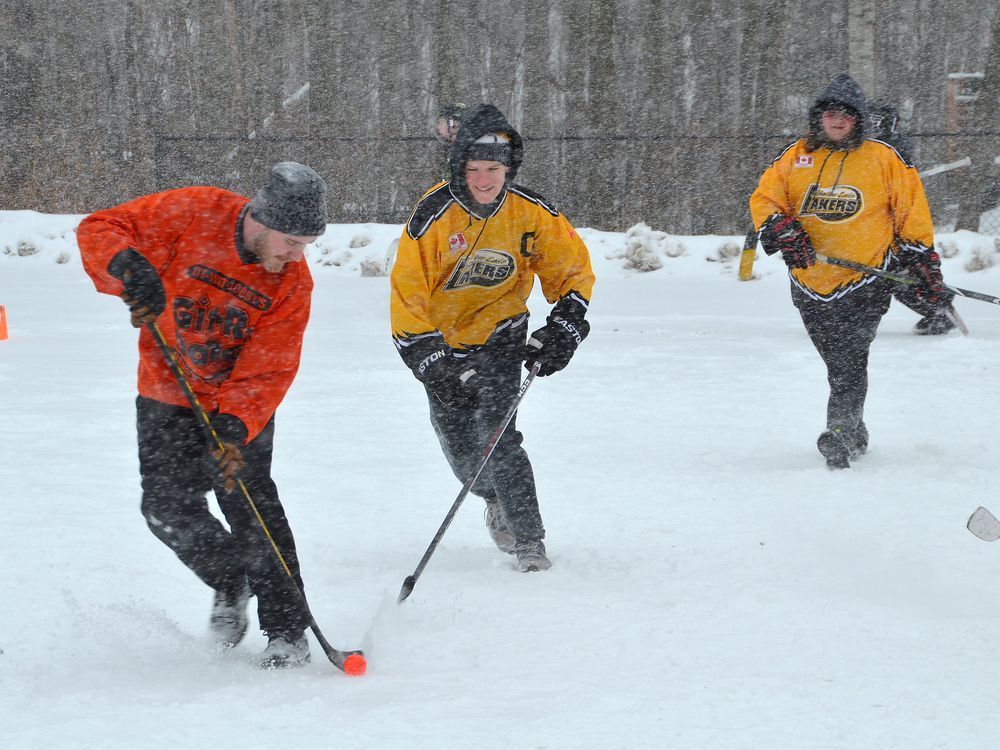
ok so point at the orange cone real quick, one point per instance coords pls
(3, 323)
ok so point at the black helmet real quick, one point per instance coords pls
(882, 117)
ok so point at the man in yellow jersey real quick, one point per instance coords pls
(466, 263)
(846, 196)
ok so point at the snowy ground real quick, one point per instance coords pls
(714, 586)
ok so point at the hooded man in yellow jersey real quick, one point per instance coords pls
(848, 197)
(466, 264)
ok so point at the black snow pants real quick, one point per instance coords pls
(177, 471)
(842, 330)
(464, 429)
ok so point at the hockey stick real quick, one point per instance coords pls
(900, 278)
(984, 524)
(410, 581)
(349, 662)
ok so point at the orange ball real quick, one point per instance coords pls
(355, 665)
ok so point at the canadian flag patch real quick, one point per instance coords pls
(457, 243)
(805, 160)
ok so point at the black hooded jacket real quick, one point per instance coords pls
(883, 119)
(480, 121)
(842, 90)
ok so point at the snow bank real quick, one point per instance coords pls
(369, 249)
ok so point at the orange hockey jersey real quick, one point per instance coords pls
(236, 328)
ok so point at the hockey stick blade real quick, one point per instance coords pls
(407, 589)
(952, 314)
(352, 663)
(984, 524)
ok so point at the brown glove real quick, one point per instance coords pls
(141, 315)
(231, 463)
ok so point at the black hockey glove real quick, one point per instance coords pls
(453, 385)
(144, 292)
(785, 234)
(924, 264)
(446, 378)
(553, 345)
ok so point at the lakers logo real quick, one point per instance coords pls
(486, 268)
(832, 204)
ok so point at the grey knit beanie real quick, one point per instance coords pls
(490, 147)
(291, 201)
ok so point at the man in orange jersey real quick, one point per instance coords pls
(846, 196)
(226, 282)
(466, 263)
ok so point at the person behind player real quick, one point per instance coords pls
(883, 119)
(446, 127)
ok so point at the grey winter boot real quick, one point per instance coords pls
(531, 556)
(228, 623)
(285, 650)
(499, 532)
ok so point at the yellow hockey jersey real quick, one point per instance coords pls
(462, 276)
(853, 204)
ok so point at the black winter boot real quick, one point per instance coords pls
(833, 444)
(841, 445)
(857, 442)
(933, 325)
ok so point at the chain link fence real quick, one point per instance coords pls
(948, 184)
